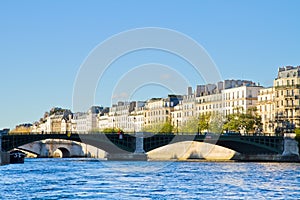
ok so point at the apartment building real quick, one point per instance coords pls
(177, 114)
(58, 120)
(84, 122)
(128, 116)
(287, 95)
(138, 117)
(239, 99)
(224, 97)
(159, 110)
(266, 109)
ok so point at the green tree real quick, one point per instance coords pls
(190, 126)
(233, 123)
(249, 121)
(216, 122)
(297, 138)
(112, 130)
(297, 132)
(166, 127)
(204, 120)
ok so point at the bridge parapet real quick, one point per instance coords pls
(107, 142)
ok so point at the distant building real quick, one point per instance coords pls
(223, 98)
(83, 122)
(277, 106)
(188, 107)
(119, 115)
(22, 128)
(158, 110)
(126, 116)
(287, 95)
(239, 99)
(177, 116)
(266, 109)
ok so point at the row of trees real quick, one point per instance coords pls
(239, 121)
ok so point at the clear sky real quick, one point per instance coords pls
(44, 43)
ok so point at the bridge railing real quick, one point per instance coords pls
(149, 133)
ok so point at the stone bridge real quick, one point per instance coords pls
(114, 145)
(55, 148)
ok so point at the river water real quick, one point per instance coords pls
(94, 179)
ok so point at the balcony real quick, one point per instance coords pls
(297, 86)
(289, 96)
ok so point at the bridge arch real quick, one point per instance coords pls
(184, 150)
(62, 152)
(249, 145)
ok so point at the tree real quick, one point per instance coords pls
(190, 126)
(297, 138)
(232, 123)
(166, 127)
(204, 120)
(112, 130)
(216, 122)
(212, 122)
(248, 122)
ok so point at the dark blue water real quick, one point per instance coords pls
(93, 179)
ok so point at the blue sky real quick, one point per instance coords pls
(44, 43)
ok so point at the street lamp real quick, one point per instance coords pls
(177, 126)
(134, 120)
(113, 125)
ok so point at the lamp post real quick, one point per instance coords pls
(177, 126)
(113, 125)
(134, 120)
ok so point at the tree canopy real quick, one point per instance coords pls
(247, 122)
(166, 127)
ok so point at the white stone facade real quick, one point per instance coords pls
(266, 109)
(239, 99)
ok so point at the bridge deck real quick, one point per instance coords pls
(111, 143)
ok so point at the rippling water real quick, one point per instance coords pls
(93, 179)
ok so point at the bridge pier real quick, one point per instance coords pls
(138, 155)
(4, 156)
(291, 150)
